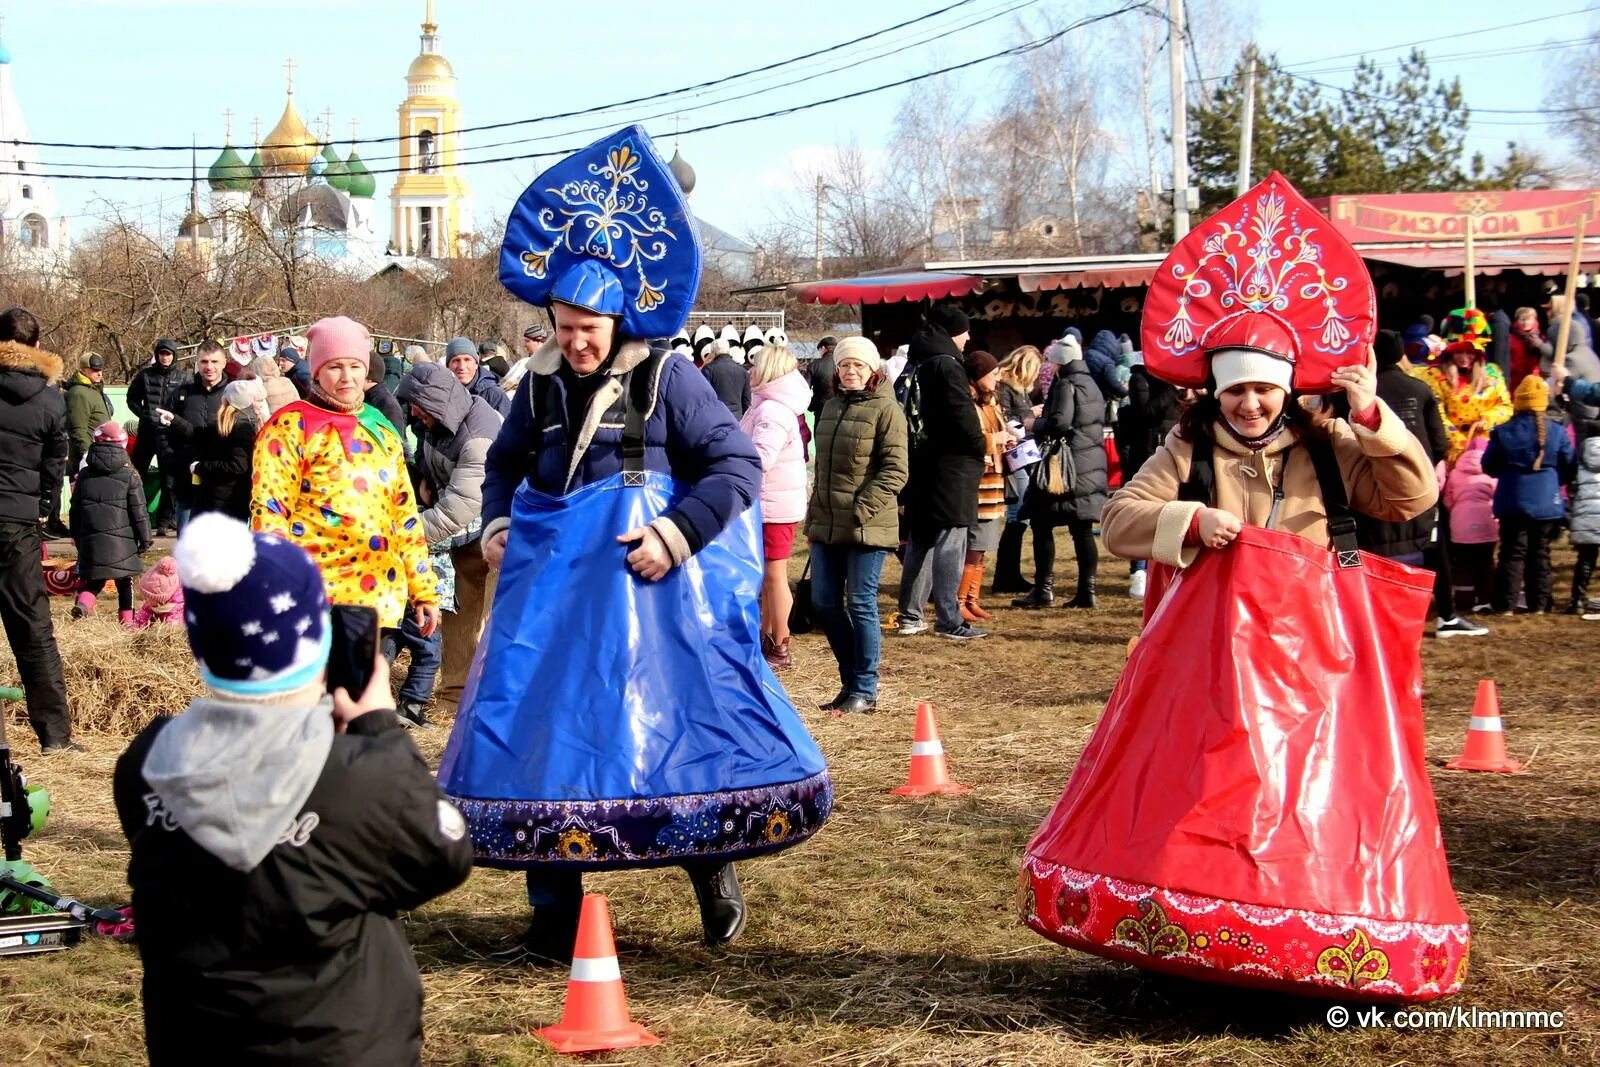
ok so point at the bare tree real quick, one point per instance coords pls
(1573, 90)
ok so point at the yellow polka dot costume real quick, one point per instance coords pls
(1461, 408)
(335, 484)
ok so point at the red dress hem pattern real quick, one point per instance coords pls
(1347, 957)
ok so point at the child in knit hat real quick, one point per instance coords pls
(1533, 460)
(110, 523)
(275, 832)
(160, 595)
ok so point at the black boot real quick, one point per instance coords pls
(722, 907)
(1582, 571)
(1085, 595)
(549, 938)
(1042, 595)
(1008, 560)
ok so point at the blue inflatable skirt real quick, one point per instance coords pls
(613, 722)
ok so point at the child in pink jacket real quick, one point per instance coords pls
(1469, 494)
(780, 396)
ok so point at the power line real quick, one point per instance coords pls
(543, 118)
(1015, 50)
(1450, 57)
(1450, 36)
(1438, 107)
(1005, 8)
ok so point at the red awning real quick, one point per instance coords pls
(888, 288)
(1489, 259)
(1110, 277)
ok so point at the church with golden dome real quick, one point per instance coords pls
(298, 185)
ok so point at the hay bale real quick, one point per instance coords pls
(117, 679)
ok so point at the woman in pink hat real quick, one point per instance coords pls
(330, 476)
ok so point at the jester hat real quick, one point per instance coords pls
(1267, 274)
(607, 229)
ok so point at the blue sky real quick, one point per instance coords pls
(161, 71)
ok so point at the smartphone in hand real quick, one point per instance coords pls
(355, 648)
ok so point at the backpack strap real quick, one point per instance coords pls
(1335, 500)
(638, 399)
(1201, 485)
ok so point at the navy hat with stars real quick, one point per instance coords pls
(256, 609)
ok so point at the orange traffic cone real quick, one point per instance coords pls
(928, 771)
(596, 1015)
(1486, 739)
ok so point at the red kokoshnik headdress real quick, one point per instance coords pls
(1267, 273)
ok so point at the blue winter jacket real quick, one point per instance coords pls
(689, 434)
(1524, 492)
(1103, 354)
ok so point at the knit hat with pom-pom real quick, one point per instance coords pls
(255, 607)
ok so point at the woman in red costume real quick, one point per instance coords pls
(1254, 806)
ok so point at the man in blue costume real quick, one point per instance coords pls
(620, 713)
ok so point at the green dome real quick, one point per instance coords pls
(362, 183)
(334, 171)
(229, 172)
(257, 165)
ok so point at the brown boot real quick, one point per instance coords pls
(971, 588)
(963, 593)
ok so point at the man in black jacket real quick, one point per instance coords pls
(730, 380)
(274, 838)
(819, 373)
(190, 404)
(147, 390)
(941, 499)
(1425, 540)
(33, 460)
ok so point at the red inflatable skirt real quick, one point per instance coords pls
(1253, 807)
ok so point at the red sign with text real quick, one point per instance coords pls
(1409, 218)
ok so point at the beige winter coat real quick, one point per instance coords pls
(280, 390)
(1386, 474)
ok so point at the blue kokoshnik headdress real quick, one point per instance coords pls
(607, 229)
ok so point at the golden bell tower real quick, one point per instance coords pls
(431, 201)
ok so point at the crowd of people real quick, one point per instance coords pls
(457, 503)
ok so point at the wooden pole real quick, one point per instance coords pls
(1470, 277)
(1569, 303)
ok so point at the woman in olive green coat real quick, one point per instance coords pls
(851, 523)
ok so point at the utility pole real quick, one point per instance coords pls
(822, 191)
(1180, 122)
(1247, 123)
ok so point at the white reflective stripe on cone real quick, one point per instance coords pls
(927, 748)
(1486, 723)
(601, 970)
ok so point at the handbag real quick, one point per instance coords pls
(1058, 471)
(800, 620)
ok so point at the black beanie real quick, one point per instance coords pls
(1388, 347)
(949, 318)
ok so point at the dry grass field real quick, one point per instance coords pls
(892, 937)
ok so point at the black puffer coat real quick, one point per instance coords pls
(1075, 410)
(1151, 412)
(223, 467)
(302, 960)
(946, 466)
(148, 389)
(33, 432)
(109, 522)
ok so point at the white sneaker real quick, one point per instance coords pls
(1459, 628)
(1136, 585)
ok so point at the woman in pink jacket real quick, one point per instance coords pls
(1474, 531)
(779, 399)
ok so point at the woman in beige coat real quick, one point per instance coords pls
(1258, 430)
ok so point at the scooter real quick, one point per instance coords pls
(33, 918)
